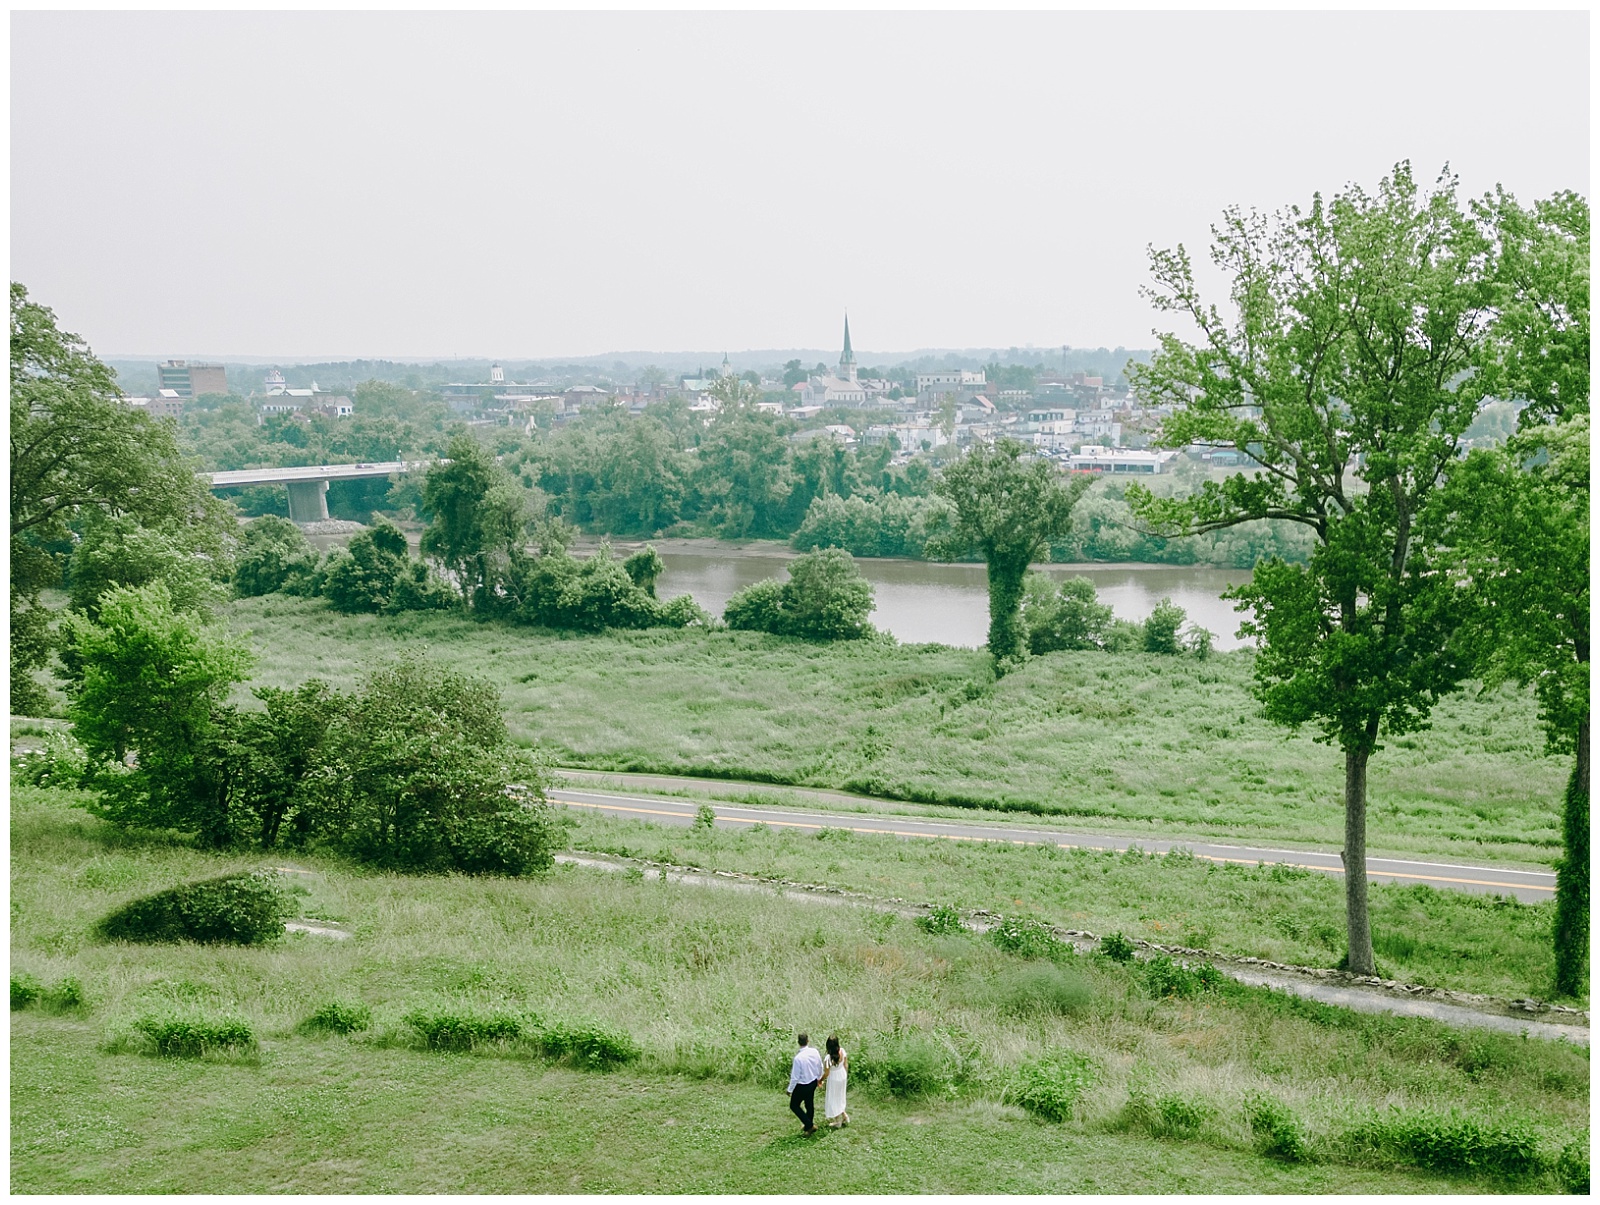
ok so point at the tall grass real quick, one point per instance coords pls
(716, 984)
(1129, 742)
(1479, 943)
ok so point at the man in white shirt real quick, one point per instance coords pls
(804, 1073)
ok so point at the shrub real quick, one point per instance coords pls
(1572, 1166)
(1049, 1087)
(1197, 642)
(119, 551)
(1275, 1129)
(1169, 1115)
(1116, 947)
(1066, 617)
(338, 1017)
(705, 816)
(756, 608)
(1163, 977)
(681, 612)
(25, 990)
(1180, 1117)
(448, 1029)
(903, 1066)
(825, 598)
(1027, 938)
(274, 556)
(1451, 1141)
(66, 996)
(417, 772)
(588, 1045)
(942, 920)
(1161, 629)
(643, 567)
(60, 762)
(194, 1036)
(239, 909)
(362, 577)
(1041, 989)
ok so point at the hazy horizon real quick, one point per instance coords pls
(545, 186)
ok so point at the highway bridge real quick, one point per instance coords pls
(308, 484)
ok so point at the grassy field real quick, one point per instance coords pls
(1131, 743)
(1176, 1094)
(1476, 943)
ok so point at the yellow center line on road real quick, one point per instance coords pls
(895, 832)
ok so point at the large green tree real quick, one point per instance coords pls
(745, 475)
(149, 710)
(1348, 364)
(75, 446)
(1008, 510)
(1516, 519)
(479, 520)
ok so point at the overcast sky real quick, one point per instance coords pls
(312, 186)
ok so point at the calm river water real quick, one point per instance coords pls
(949, 604)
(925, 603)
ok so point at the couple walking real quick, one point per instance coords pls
(806, 1072)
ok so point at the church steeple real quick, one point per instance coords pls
(847, 358)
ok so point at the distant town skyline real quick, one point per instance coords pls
(304, 186)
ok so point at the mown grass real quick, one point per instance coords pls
(710, 986)
(1478, 943)
(1132, 743)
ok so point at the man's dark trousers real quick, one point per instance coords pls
(803, 1102)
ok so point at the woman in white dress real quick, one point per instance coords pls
(835, 1073)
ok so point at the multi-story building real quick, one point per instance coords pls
(192, 380)
(958, 380)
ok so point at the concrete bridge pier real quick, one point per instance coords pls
(308, 501)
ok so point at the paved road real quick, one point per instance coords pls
(1528, 885)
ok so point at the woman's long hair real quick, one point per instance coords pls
(833, 1049)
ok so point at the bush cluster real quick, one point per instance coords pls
(236, 909)
(59, 762)
(1164, 977)
(415, 770)
(1116, 947)
(587, 1045)
(941, 920)
(274, 557)
(1276, 1130)
(1040, 989)
(1449, 1142)
(556, 590)
(64, 996)
(1028, 938)
(1170, 1114)
(460, 1030)
(1070, 616)
(1049, 1087)
(195, 1036)
(583, 1044)
(338, 1016)
(825, 598)
(904, 1066)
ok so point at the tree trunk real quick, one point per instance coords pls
(1572, 876)
(1358, 927)
(1005, 605)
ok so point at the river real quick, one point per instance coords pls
(920, 602)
